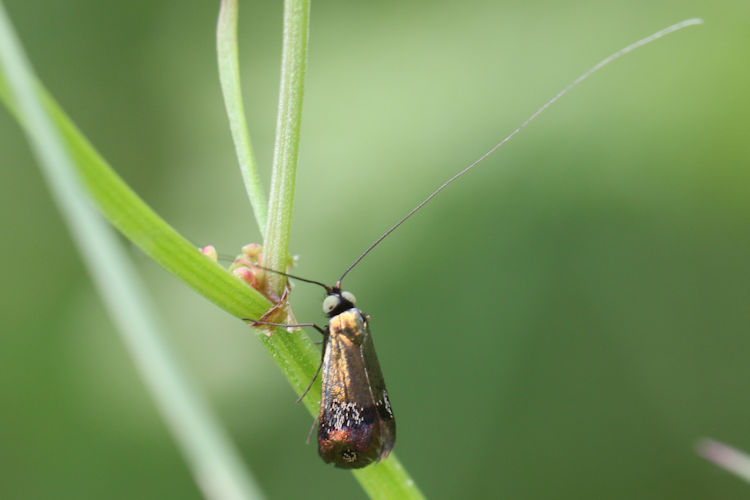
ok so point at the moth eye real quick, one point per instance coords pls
(330, 303)
(349, 296)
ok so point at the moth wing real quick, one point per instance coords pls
(356, 425)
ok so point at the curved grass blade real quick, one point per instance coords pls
(215, 463)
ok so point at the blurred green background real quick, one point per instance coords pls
(565, 322)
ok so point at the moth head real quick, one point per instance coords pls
(337, 301)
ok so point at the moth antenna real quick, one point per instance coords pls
(225, 256)
(328, 288)
(630, 48)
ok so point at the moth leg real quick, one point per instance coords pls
(309, 386)
(286, 325)
(323, 331)
(315, 423)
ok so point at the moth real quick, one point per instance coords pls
(356, 426)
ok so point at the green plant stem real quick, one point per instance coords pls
(294, 353)
(214, 461)
(229, 76)
(387, 479)
(281, 203)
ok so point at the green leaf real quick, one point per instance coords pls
(141, 225)
(215, 463)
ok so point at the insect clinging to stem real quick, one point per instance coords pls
(356, 426)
